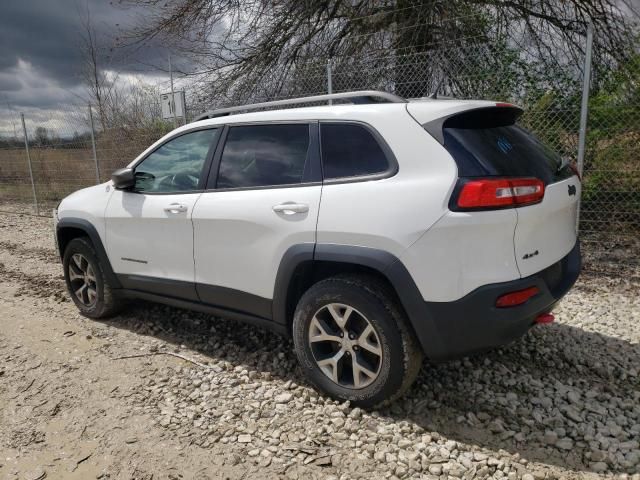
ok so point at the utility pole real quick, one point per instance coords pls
(329, 80)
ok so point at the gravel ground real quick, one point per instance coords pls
(201, 397)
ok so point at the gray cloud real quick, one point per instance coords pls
(40, 57)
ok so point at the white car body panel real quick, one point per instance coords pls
(428, 110)
(396, 211)
(240, 239)
(548, 228)
(88, 204)
(144, 239)
(461, 252)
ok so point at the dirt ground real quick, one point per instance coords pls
(72, 408)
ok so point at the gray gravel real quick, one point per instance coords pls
(563, 402)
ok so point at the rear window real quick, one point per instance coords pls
(487, 142)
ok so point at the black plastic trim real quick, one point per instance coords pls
(212, 176)
(208, 309)
(314, 162)
(229, 298)
(369, 257)
(211, 295)
(88, 228)
(123, 178)
(160, 286)
(291, 260)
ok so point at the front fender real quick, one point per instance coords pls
(72, 226)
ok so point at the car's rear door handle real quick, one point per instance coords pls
(176, 208)
(291, 208)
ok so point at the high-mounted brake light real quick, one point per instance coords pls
(516, 298)
(500, 193)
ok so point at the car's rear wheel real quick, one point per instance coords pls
(352, 341)
(86, 281)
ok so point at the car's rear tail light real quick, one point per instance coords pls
(516, 298)
(488, 193)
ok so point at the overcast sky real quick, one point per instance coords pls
(40, 58)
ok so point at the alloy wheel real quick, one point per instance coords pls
(83, 280)
(345, 346)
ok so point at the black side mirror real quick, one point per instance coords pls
(123, 178)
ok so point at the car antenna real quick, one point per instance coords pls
(434, 95)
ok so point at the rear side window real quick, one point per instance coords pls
(487, 142)
(350, 150)
(264, 155)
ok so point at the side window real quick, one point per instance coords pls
(350, 150)
(177, 165)
(264, 155)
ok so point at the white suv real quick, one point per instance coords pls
(374, 233)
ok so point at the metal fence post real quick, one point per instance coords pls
(93, 145)
(329, 80)
(173, 95)
(584, 108)
(26, 147)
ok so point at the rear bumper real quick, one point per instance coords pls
(474, 323)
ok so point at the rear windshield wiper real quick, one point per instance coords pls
(564, 163)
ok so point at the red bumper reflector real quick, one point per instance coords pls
(545, 318)
(516, 298)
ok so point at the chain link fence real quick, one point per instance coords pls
(74, 147)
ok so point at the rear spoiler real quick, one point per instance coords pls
(435, 127)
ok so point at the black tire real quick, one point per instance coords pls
(401, 356)
(106, 302)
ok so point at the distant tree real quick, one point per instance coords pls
(41, 136)
(120, 105)
(100, 87)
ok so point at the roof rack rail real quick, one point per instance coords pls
(362, 96)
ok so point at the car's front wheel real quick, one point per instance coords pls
(352, 341)
(86, 281)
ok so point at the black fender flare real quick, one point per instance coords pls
(90, 230)
(388, 265)
(294, 257)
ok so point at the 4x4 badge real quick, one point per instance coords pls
(572, 190)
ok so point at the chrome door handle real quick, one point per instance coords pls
(176, 208)
(291, 208)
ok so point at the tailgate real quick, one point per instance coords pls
(546, 232)
(502, 165)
